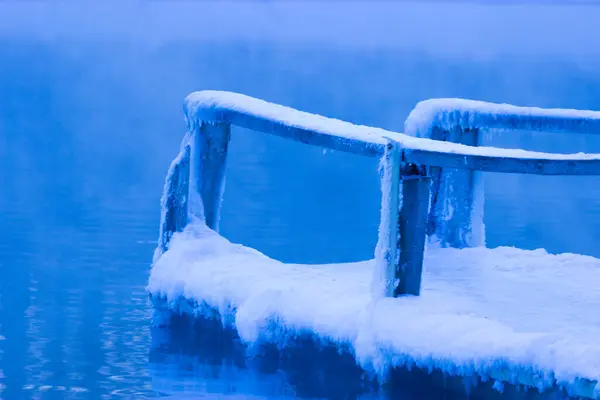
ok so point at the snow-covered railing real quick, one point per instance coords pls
(456, 211)
(196, 179)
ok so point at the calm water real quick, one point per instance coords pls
(87, 133)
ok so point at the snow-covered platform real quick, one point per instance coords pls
(515, 316)
(434, 297)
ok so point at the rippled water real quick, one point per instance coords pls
(87, 133)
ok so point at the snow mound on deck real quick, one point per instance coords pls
(502, 313)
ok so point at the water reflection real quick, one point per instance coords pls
(202, 348)
(197, 356)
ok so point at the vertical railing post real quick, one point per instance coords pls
(175, 198)
(412, 226)
(387, 245)
(455, 217)
(211, 144)
(403, 226)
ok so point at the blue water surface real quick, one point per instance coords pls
(87, 131)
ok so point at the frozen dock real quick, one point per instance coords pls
(508, 315)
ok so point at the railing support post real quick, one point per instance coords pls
(412, 226)
(175, 198)
(384, 279)
(456, 214)
(403, 227)
(210, 144)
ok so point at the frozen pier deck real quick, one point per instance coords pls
(508, 315)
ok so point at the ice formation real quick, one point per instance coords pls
(468, 114)
(238, 109)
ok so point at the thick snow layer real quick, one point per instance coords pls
(468, 114)
(505, 313)
(211, 106)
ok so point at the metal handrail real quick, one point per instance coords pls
(247, 112)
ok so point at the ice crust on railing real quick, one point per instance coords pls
(167, 192)
(469, 114)
(211, 106)
(386, 248)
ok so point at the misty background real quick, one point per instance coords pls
(102, 87)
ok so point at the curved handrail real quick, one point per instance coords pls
(247, 112)
(259, 115)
